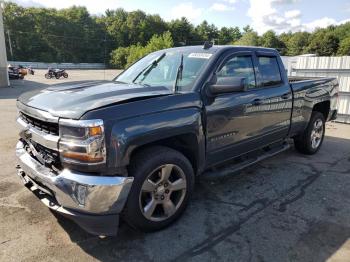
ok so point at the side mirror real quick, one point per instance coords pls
(227, 85)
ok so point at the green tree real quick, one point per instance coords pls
(249, 39)
(342, 31)
(344, 47)
(228, 35)
(247, 29)
(323, 43)
(74, 35)
(159, 42)
(181, 31)
(66, 35)
(119, 57)
(297, 43)
(270, 39)
(207, 32)
(123, 57)
(115, 25)
(284, 38)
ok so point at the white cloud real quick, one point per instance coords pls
(230, 1)
(221, 7)
(319, 23)
(292, 14)
(27, 3)
(187, 10)
(322, 23)
(266, 16)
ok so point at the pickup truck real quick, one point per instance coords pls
(132, 147)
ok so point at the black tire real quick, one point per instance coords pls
(142, 165)
(65, 75)
(47, 76)
(303, 143)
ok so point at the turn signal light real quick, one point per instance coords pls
(95, 131)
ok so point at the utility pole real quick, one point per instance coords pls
(104, 55)
(10, 45)
(4, 78)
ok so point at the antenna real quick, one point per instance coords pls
(207, 45)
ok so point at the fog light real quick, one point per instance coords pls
(79, 193)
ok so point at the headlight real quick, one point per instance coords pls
(82, 141)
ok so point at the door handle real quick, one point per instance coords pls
(257, 102)
(285, 96)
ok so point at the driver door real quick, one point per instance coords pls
(230, 125)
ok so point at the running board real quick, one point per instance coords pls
(233, 168)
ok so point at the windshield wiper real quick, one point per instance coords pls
(179, 73)
(149, 68)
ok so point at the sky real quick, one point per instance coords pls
(261, 15)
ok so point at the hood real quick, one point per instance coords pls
(74, 99)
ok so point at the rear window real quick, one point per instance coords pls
(269, 71)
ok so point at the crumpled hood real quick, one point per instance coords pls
(74, 99)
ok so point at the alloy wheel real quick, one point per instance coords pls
(163, 192)
(317, 134)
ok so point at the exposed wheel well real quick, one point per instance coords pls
(323, 108)
(186, 144)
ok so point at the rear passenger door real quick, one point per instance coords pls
(272, 99)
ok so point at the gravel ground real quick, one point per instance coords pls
(290, 207)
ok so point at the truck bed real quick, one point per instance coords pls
(294, 79)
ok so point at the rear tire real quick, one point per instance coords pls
(65, 75)
(163, 183)
(310, 141)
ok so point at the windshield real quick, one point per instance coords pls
(160, 69)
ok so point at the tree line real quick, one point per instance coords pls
(118, 37)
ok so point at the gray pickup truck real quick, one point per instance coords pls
(131, 148)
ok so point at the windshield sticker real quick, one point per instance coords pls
(200, 55)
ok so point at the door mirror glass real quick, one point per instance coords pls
(227, 85)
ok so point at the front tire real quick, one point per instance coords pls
(163, 183)
(311, 140)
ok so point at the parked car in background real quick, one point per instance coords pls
(15, 72)
(135, 145)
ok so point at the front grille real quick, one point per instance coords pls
(48, 157)
(47, 127)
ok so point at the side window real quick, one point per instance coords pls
(239, 66)
(269, 71)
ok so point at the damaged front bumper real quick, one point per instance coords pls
(93, 202)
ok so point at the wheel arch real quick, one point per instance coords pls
(323, 107)
(186, 144)
(178, 129)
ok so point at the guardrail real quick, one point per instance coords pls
(41, 65)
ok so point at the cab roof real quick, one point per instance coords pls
(216, 48)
